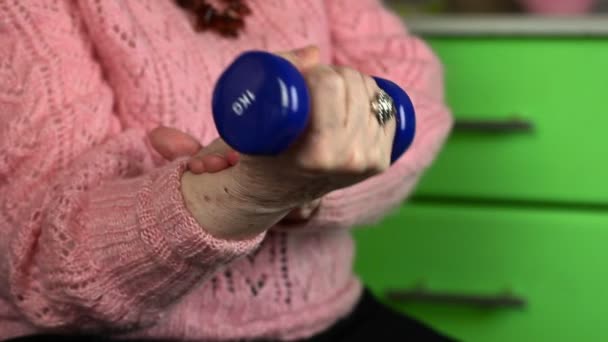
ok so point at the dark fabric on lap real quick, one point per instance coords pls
(372, 321)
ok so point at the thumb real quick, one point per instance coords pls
(302, 58)
(214, 157)
(172, 143)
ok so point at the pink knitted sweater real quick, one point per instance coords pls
(94, 233)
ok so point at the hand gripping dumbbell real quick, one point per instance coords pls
(261, 105)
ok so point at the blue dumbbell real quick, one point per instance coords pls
(261, 106)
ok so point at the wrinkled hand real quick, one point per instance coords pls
(342, 145)
(172, 144)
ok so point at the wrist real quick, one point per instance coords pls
(259, 182)
(222, 206)
(268, 184)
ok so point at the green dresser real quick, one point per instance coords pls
(559, 87)
(516, 205)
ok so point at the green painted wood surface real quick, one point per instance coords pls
(556, 260)
(561, 85)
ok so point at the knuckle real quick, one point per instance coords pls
(314, 75)
(335, 83)
(377, 163)
(348, 73)
(372, 86)
(357, 163)
(382, 161)
(391, 129)
(332, 81)
(371, 82)
(319, 160)
(324, 159)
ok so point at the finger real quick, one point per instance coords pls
(172, 143)
(233, 157)
(215, 163)
(385, 133)
(214, 157)
(357, 126)
(324, 141)
(208, 164)
(196, 165)
(357, 97)
(372, 89)
(328, 96)
(389, 127)
(304, 212)
(303, 58)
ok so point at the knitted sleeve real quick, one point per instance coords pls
(369, 38)
(92, 233)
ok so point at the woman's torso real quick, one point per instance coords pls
(159, 71)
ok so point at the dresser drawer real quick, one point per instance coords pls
(560, 86)
(556, 261)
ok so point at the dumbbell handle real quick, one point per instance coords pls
(261, 106)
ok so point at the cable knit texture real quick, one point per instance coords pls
(94, 233)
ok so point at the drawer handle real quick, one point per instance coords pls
(420, 294)
(494, 126)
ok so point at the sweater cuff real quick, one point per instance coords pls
(168, 226)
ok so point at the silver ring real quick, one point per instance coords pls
(383, 107)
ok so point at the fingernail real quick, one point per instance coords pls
(233, 157)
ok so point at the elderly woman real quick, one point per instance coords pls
(123, 216)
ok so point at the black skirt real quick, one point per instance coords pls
(370, 321)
